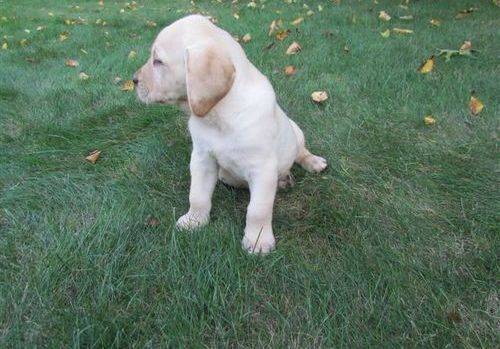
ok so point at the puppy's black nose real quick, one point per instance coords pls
(135, 80)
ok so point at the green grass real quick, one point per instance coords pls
(396, 245)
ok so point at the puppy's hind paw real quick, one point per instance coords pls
(314, 163)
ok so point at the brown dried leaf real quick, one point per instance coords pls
(435, 22)
(293, 48)
(402, 31)
(298, 21)
(319, 96)
(427, 66)
(246, 38)
(290, 70)
(384, 16)
(128, 85)
(93, 156)
(429, 120)
(475, 106)
(282, 34)
(72, 63)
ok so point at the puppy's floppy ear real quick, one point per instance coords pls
(209, 77)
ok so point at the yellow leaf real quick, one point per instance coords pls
(50, 14)
(101, 2)
(427, 66)
(319, 96)
(310, 13)
(298, 21)
(40, 28)
(429, 120)
(246, 38)
(63, 36)
(475, 106)
(386, 33)
(83, 76)
(293, 48)
(24, 42)
(93, 156)
(5, 46)
(290, 70)
(435, 22)
(151, 24)
(252, 4)
(402, 31)
(320, 8)
(128, 86)
(236, 16)
(406, 18)
(132, 54)
(282, 34)
(384, 16)
(72, 63)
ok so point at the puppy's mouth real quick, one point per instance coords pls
(143, 94)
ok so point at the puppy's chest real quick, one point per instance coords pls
(231, 150)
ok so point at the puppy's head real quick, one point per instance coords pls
(198, 71)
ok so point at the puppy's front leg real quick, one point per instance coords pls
(259, 236)
(204, 170)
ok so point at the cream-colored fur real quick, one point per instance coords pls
(240, 134)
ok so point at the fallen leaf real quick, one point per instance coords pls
(475, 106)
(5, 46)
(236, 16)
(290, 70)
(50, 14)
(464, 13)
(386, 33)
(320, 8)
(40, 27)
(346, 49)
(93, 156)
(128, 85)
(63, 36)
(117, 80)
(454, 316)
(465, 48)
(319, 96)
(402, 31)
(151, 24)
(293, 48)
(23, 42)
(27, 31)
(427, 66)
(435, 22)
(83, 76)
(132, 54)
(310, 13)
(152, 222)
(274, 26)
(72, 63)
(246, 38)
(384, 16)
(429, 120)
(282, 34)
(101, 2)
(406, 18)
(252, 4)
(298, 21)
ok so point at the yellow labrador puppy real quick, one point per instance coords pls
(240, 134)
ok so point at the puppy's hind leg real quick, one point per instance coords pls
(305, 158)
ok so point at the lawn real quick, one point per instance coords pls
(395, 245)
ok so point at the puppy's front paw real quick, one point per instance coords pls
(262, 244)
(192, 221)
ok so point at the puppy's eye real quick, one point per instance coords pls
(157, 62)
